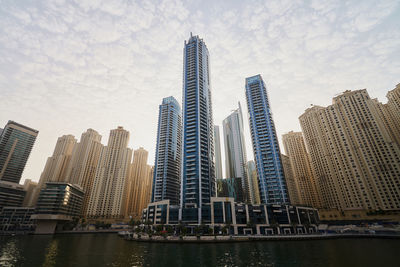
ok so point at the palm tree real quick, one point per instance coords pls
(294, 226)
(275, 225)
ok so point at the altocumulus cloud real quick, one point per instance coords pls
(66, 66)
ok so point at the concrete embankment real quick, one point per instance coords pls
(218, 239)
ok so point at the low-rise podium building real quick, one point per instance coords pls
(58, 204)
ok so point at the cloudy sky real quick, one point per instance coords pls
(66, 66)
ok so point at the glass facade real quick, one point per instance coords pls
(16, 142)
(235, 150)
(271, 180)
(166, 179)
(198, 171)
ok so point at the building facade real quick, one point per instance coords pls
(231, 187)
(218, 158)
(253, 182)
(355, 159)
(16, 142)
(239, 218)
(11, 194)
(235, 150)
(108, 197)
(271, 180)
(198, 171)
(30, 187)
(83, 164)
(58, 202)
(293, 189)
(139, 184)
(303, 175)
(167, 167)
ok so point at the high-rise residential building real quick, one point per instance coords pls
(355, 159)
(218, 160)
(84, 160)
(253, 182)
(139, 185)
(390, 113)
(271, 180)
(235, 150)
(302, 172)
(108, 197)
(167, 167)
(16, 142)
(198, 171)
(292, 188)
(31, 188)
(56, 166)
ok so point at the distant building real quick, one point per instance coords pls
(11, 194)
(16, 142)
(293, 189)
(354, 156)
(271, 180)
(230, 187)
(83, 164)
(58, 203)
(167, 168)
(302, 171)
(218, 160)
(108, 197)
(198, 170)
(253, 182)
(235, 150)
(139, 184)
(31, 188)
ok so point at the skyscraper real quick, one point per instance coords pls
(16, 142)
(253, 182)
(108, 197)
(56, 166)
(167, 174)
(356, 160)
(271, 180)
(293, 189)
(218, 160)
(198, 173)
(139, 184)
(303, 175)
(83, 164)
(235, 150)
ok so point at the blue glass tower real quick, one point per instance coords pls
(198, 173)
(167, 175)
(271, 180)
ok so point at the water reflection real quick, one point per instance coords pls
(110, 250)
(9, 253)
(51, 254)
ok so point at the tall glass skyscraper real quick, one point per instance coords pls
(198, 173)
(218, 160)
(235, 150)
(271, 180)
(167, 175)
(16, 142)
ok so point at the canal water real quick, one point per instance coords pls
(110, 250)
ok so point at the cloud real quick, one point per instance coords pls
(66, 66)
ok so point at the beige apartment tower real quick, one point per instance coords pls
(139, 185)
(31, 188)
(108, 195)
(302, 172)
(355, 159)
(83, 164)
(293, 189)
(56, 166)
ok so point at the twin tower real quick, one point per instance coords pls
(184, 171)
